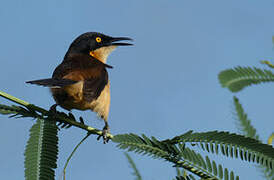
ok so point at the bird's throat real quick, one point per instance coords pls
(102, 53)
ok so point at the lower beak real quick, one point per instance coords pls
(115, 43)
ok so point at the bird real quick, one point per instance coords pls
(81, 81)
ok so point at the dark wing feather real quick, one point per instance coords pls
(52, 82)
(94, 86)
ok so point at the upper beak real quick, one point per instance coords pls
(114, 40)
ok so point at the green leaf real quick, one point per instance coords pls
(214, 167)
(209, 167)
(231, 175)
(248, 130)
(240, 77)
(220, 170)
(183, 175)
(136, 172)
(244, 123)
(41, 151)
(177, 154)
(17, 111)
(226, 174)
(134, 143)
(228, 142)
(4, 109)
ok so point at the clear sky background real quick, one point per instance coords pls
(163, 86)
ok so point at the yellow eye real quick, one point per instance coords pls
(98, 39)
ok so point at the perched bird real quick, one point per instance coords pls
(81, 81)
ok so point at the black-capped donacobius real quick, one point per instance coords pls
(81, 81)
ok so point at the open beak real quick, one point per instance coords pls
(114, 42)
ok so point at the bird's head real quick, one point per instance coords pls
(96, 44)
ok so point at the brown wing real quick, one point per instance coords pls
(85, 68)
(94, 86)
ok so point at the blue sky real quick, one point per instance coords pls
(163, 86)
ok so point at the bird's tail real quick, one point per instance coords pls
(51, 82)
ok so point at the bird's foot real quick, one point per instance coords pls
(81, 120)
(52, 112)
(52, 109)
(105, 131)
(71, 116)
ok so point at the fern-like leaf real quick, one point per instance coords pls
(4, 109)
(245, 124)
(178, 154)
(233, 145)
(21, 112)
(190, 177)
(240, 77)
(182, 175)
(249, 131)
(41, 151)
(134, 143)
(17, 111)
(136, 172)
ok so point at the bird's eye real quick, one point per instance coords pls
(98, 39)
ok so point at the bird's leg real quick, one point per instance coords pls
(105, 131)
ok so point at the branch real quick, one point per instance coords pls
(44, 112)
(267, 63)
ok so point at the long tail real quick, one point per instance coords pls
(52, 82)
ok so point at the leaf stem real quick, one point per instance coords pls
(14, 99)
(70, 156)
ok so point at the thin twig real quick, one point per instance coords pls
(267, 63)
(70, 156)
